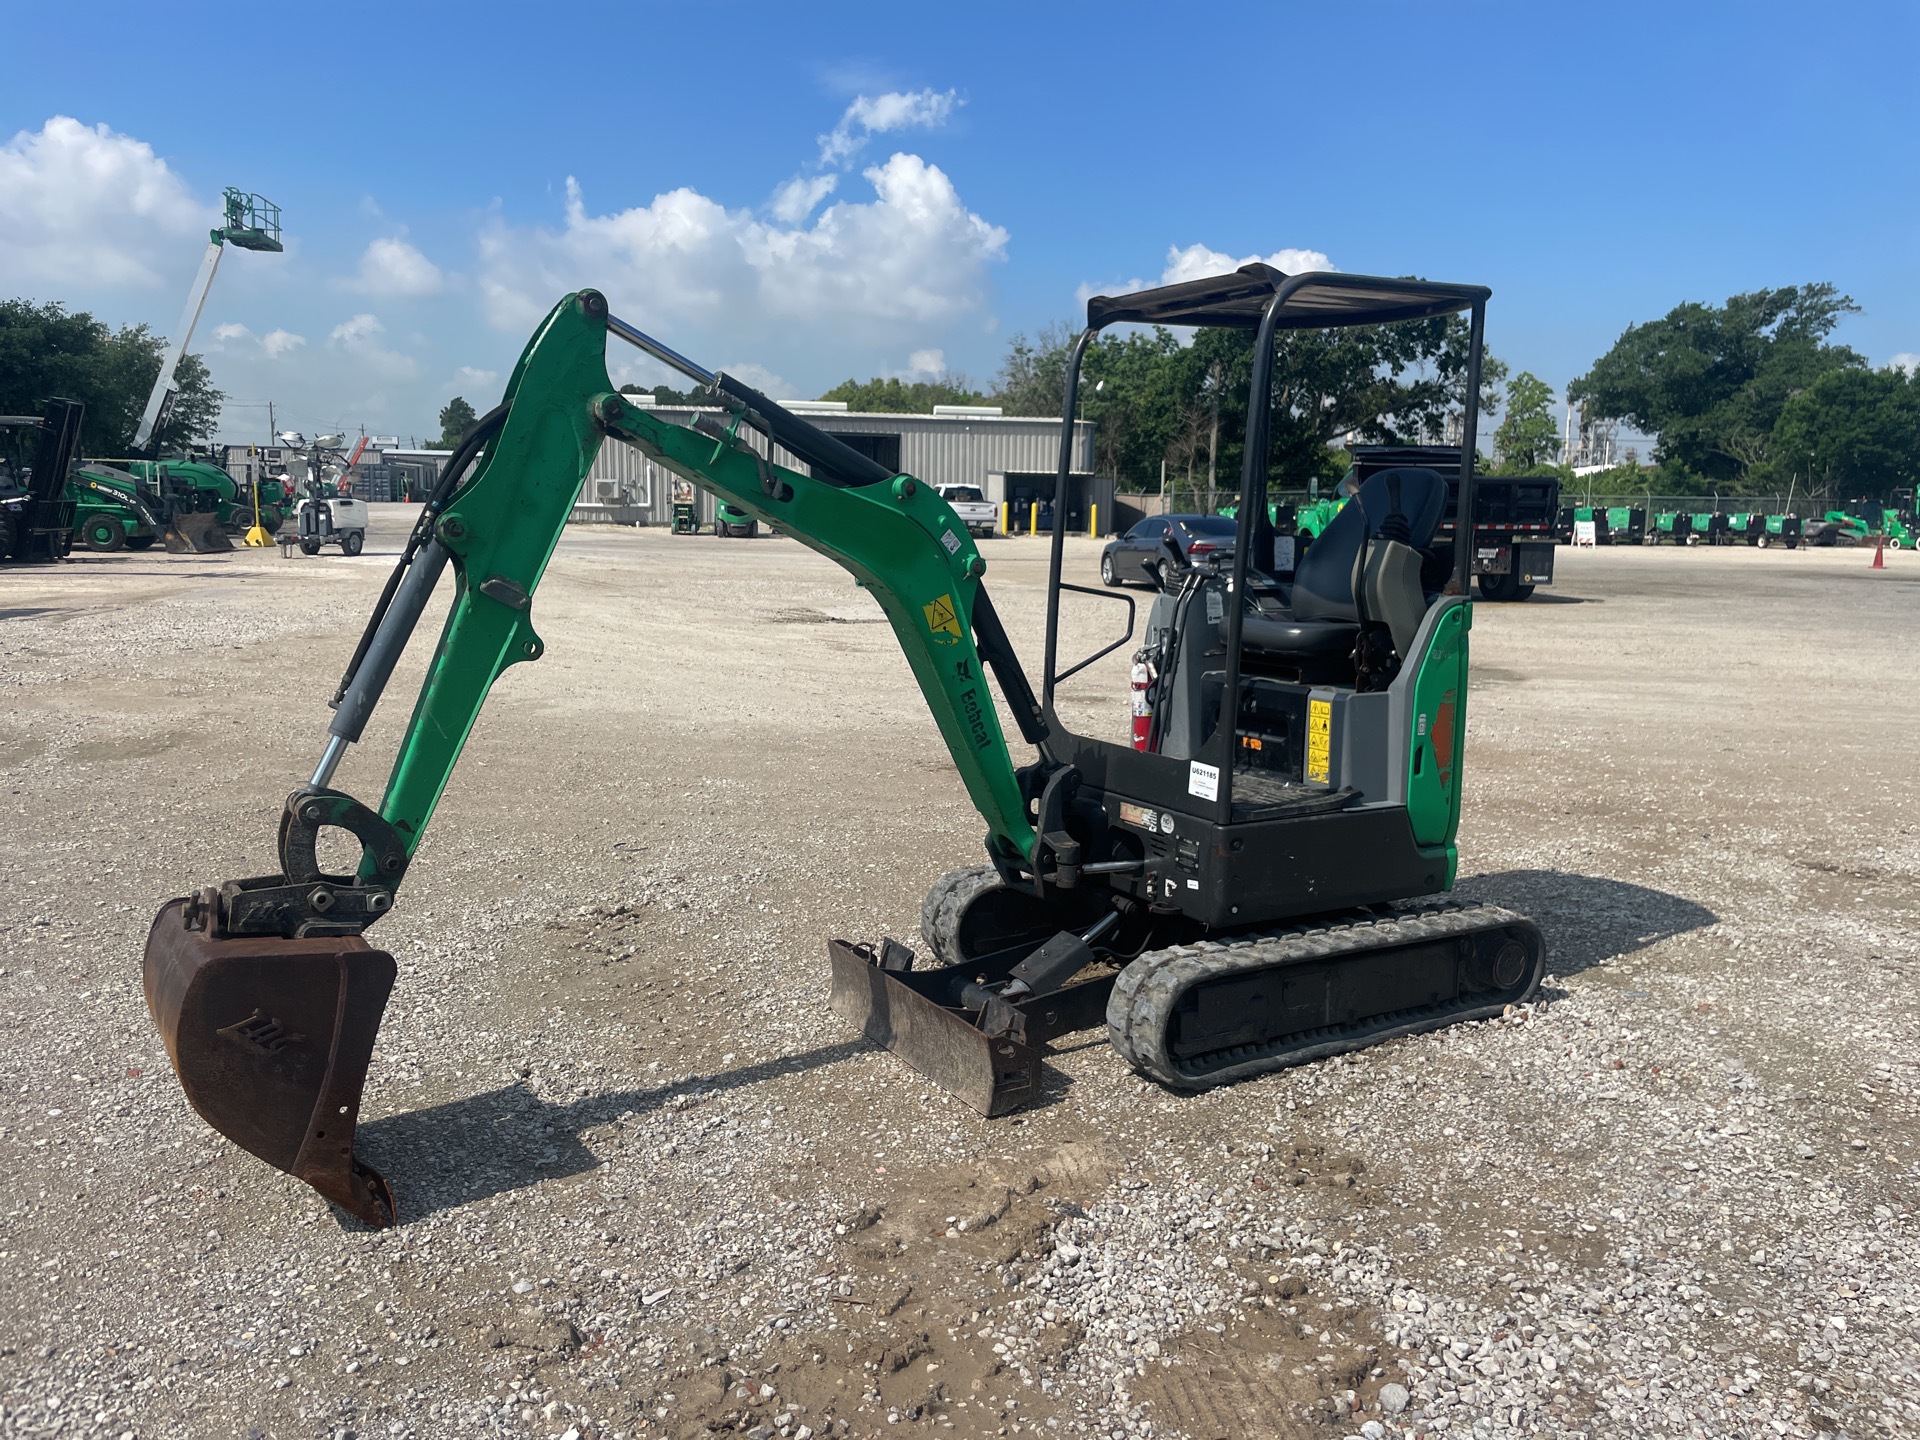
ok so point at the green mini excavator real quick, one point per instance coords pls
(1234, 892)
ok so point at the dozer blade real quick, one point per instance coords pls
(271, 1040)
(197, 532)
(993, 1076)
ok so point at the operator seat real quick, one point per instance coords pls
(1404, 504)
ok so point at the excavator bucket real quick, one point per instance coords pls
(271, 1040)
(196, 532)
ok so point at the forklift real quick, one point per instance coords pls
(1260, 885)
(38, 453)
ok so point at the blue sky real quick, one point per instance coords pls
(807, 193)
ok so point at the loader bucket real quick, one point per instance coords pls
(271, 1040)
(196, 532)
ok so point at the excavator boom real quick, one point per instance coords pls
(263, 989)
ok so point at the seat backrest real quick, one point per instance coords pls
(1407, 501)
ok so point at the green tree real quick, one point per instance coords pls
(897, 397)
(1854, 433)
(1712, 381)
(456, 422)
(1153, 398)
(1527, 437)
(47, 351)
(1033, 378)
(667, 395)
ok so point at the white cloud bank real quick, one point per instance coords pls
(1906, 360)
(81, 205)
(274, 345)
(1196, 262)
(879, 271)
(393, 268)
(362, 337)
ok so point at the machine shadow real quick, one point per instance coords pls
(507, 1139)
(1588, 919)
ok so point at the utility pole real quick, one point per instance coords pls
(272, 433)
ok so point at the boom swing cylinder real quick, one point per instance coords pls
(1104, 862)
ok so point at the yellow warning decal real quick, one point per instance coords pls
(943, 621)
(1319, 740)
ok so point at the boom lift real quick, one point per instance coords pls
(1224, 899)
(249, 223)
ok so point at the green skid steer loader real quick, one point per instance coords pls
(1251, 885)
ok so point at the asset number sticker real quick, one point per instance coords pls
(947, 539)
(1319, 740)
(1203, 780)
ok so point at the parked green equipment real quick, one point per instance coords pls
(1626, 525)
(732, 521)
(1672, 527)
(686, 513)
(1707, 527)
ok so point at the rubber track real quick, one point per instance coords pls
(946, 902)
(1146, 992)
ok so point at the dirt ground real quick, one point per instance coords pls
(651, 1186)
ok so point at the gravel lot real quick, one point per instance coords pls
(652, 1187)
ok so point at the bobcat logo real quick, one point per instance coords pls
(261, 1034)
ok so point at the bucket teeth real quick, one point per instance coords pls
(271, 1039)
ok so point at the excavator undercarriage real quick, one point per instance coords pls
(1240, 891)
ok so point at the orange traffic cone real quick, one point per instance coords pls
(1879, 557)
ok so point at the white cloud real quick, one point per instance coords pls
(236, 338)
(773, 386)
(392, 267)
(361, 337)
(1196, 262)
(794, 201)
(82, 205)
(867, 273)
(467, 378)
(871, 115)
(926, 365)
(1906, 360)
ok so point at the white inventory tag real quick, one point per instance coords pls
(947, 539)
(1203, 780)
(1282, 554)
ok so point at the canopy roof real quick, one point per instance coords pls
(1324, 300)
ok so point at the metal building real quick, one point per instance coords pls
(1007, 457)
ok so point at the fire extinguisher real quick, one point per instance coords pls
(1142, 702)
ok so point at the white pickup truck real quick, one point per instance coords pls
(979, 514)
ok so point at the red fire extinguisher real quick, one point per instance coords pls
(1142, 703)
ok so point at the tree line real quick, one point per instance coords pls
(49, 352)
(1748, 396)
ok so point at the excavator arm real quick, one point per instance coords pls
(264, 990)
(896, 537)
